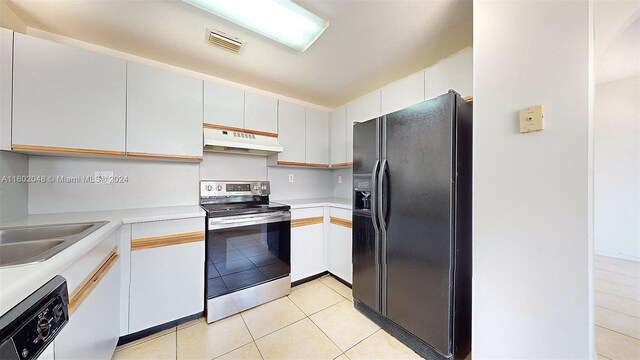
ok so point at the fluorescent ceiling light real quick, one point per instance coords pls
(281, 20)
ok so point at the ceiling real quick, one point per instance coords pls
(367, 44)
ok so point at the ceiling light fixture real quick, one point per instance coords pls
(281, 20)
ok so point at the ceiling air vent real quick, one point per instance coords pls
(223, 40)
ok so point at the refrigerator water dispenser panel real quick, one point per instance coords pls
(362, 194)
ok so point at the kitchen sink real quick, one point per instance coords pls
(31, 244)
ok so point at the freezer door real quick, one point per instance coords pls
(365, 146)
(418, 198)
(365, 266)
(366, 234)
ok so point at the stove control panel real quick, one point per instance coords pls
(209, 188)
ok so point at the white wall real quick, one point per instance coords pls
(532, 253)
(221, 166)
(617, 168)
(13, 195)
(151, 184)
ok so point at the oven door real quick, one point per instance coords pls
(247, 250)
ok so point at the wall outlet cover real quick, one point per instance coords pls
(290, 178)
(531, 119)
(339, 179)
(103, 177)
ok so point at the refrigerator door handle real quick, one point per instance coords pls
(374, 196)
(382, 204)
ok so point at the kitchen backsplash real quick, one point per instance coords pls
(13, 192)
(146, 183)
(307, 183)
(342, 189)
(150, 183)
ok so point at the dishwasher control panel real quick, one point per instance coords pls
(31, 326)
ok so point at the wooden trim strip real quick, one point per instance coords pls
(90, 282)
(345, 164)
(247, 131)
(468, 98)
(163, 156)
(307, 221)
(166, 240)
(291, 163)
(64, 150)
(340, 222)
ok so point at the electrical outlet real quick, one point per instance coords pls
(290, 177)
(103, 177)
(339, 179)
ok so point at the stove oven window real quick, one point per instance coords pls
(246, 256)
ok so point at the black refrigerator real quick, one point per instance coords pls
(412, 225)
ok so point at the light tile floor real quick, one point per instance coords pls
(316, 321)
(617, 284)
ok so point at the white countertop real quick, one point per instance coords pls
(16, 283)
(342, 203)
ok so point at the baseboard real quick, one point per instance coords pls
(344, 282)
(309, 278)
(156, 329)
(617, 255)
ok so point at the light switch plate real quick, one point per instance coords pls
(531, 119)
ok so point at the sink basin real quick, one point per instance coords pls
(31, 244)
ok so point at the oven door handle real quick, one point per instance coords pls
(246, 220)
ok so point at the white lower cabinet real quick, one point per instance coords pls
(307, 242)
(93, 328)
(340, 247)
(309, 248)
(167, 272)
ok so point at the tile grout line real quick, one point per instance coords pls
(250, 334)
(617, 311)
(617, 332)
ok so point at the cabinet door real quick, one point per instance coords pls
(66, 97)
(317, 137)
(291, 132)
(92, 331)
(340, 244)
(223, 105)
(307, 251)
(402, 93)
(454, 72)
(164, 114)
(339, 136)
(167, 281)
(261, 113)
(6, 79)
(363, 109)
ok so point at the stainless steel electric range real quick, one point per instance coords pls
(248, 246)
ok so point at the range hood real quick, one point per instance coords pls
(240, 142)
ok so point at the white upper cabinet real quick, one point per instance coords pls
(403, 93)
(66, 97)
(164, 114)
(454, 72)
(339, 136)
(317, 137)
(363, 109)
(261, 113)
(223, 105)
(291, 134)
(6, 79)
